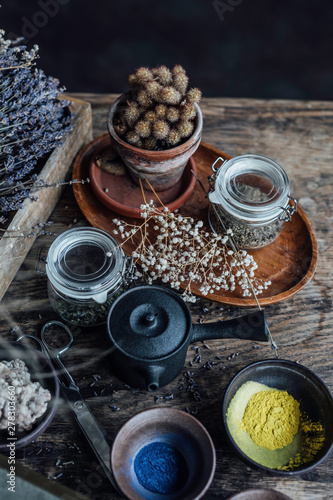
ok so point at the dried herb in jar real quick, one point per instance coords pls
(87, 271)
(251, 199)
(246, 235)
(88, 313)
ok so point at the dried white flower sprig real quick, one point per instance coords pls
(179, 251)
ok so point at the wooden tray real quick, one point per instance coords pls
(289, 262)
(14, 250)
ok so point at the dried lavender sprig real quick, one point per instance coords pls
(36, 230)
(15, 200)
(35, 184)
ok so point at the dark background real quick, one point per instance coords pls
(231, 48)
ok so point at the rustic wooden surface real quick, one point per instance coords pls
(13, 250)
(296, 134)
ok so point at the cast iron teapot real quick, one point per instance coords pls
(150, 328)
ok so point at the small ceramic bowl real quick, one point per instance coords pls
(259, 494)
(171, 427)
(41, 371)
(301, 383)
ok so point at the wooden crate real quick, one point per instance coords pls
(14, 250)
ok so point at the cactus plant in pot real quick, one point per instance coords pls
(156, 126)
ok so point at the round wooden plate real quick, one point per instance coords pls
(289, 262)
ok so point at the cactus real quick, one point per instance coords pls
(160, 112)
(160, 129)
(143, 129)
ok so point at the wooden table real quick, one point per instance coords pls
(298, 135)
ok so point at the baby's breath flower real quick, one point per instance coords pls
(183, 253)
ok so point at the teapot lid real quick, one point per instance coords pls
(149, 322)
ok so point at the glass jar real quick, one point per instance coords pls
(250, 198)
(87, 270)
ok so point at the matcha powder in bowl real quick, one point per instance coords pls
(271, 418)
(269, 428)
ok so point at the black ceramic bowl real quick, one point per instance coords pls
(301, 383)
(41, 371)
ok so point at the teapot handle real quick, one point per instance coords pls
(252, 326)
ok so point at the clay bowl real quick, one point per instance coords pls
(41, 371)
(301, 383)
(163, 169)
(172, 427)
(259, 494)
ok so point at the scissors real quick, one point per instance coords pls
(71, 392)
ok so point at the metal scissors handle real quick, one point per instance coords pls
(71, 392)
(54, 353)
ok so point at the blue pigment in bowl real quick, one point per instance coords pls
(161, 468)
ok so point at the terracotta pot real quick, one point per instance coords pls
(162, 169)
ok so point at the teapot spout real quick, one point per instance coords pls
(152, 376)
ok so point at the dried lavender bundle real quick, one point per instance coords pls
(179, 251)
(33, 121)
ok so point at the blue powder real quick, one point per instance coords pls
(160, 468)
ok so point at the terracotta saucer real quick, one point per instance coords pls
(116, 189)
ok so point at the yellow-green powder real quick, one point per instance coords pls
(273, 459)
(271, 418)
(312, 442)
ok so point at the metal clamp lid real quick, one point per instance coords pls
(128, 270)
(288, 211)
(215, 169)
(212, 177)
(85, 263)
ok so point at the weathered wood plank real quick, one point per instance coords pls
(297, 134)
